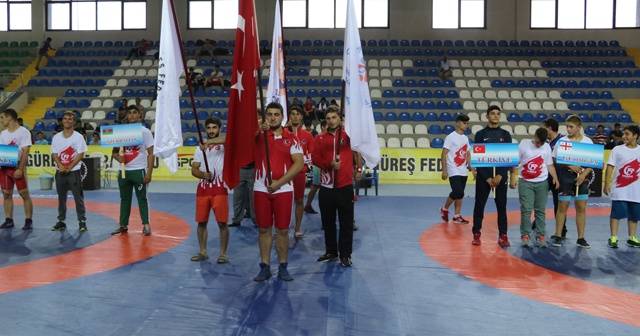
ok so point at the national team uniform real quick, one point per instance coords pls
(274, 208)
(625, 190)
(21, 137)
(336, 191)
(567, 177)
(67, 149)
(135, 165)
(457, 145)
(533, 187)
(212, 194)
(306, 143)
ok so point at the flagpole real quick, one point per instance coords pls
(284, 59)
(186, 72)
(339, 130)
(262, 111)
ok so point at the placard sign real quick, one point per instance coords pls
(8, 156)
(121, 135)
(580, 154)
(494, 155)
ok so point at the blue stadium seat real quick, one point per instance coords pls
(591, 130)
(51, 126)
(191, 141)
(111, 115)
(528, 117)
(389, 104)
(589, 106)
(402, 105)
(445, 116)
(435, 129)
(404, 116)
(431, 116)
(417, 116)
(426, 93)
(448, 129)
(437, 143)
(615, 106)
(625, 118)
(597, 118)
(188, 115)
(575, 106)
(541, 116)
(602, 106)
(377, 116)
(390, 116)
(514, 117)
(611, 118)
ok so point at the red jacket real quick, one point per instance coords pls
(324, 152)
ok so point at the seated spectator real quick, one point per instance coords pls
(196, 79)
(88, 127)
(207, 48)
(600, 137)
(334, 103)
(58, 127)
(322, 105)
(308, 126)
(296, 102)
(309, 110)
(122, 112)
(139, 106)
(95, 141)
(615, 137)
(21, 123)
(80, 129)
(445, 68)
(40, 140)
(140, 50)
(216, 78)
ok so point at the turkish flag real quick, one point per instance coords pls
(479, 149)
(243, 120)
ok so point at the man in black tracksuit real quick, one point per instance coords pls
(486, 181)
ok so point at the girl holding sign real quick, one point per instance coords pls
(573, 182)
(625, 195)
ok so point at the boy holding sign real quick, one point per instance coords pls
(15, 135)
(138, 164)
(573, 182)
(492, 179)
(625, 195)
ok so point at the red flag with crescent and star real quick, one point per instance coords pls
(243, 121)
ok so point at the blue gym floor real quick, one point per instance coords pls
(412, 275)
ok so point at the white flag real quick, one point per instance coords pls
(277, 88)
(168, 135)
(359, 122)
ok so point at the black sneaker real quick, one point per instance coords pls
(283, 273)
(346, 261)
(355, 228)
(328, 257)
(309, 209)
(234, 224)
(562, 237)
(82, 226)
(121, 229)
(60, 226)
(265, 273)
(583, 243)
(557, 241)
(28, 224)
(7, 224)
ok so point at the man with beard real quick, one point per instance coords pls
(273, 190)
(212, 193)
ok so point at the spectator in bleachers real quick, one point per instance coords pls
(295, 102)
(334, 103)
(78, 127)
(207, 48)
(58, 127)
(140, 107)
(615, 137)
(88, 127)
(216, 78)
(445, 68)
(322, 105)
(44, 52)
(600, 138)
(308, 125)
(95, 141)
(40, 140)
(21, 123)
(196, 79)
(309, 110)
(140, 50)
(122, 112)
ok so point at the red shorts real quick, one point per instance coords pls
(299, 184)
(273, 209)
(218, 203)
(7, 180)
